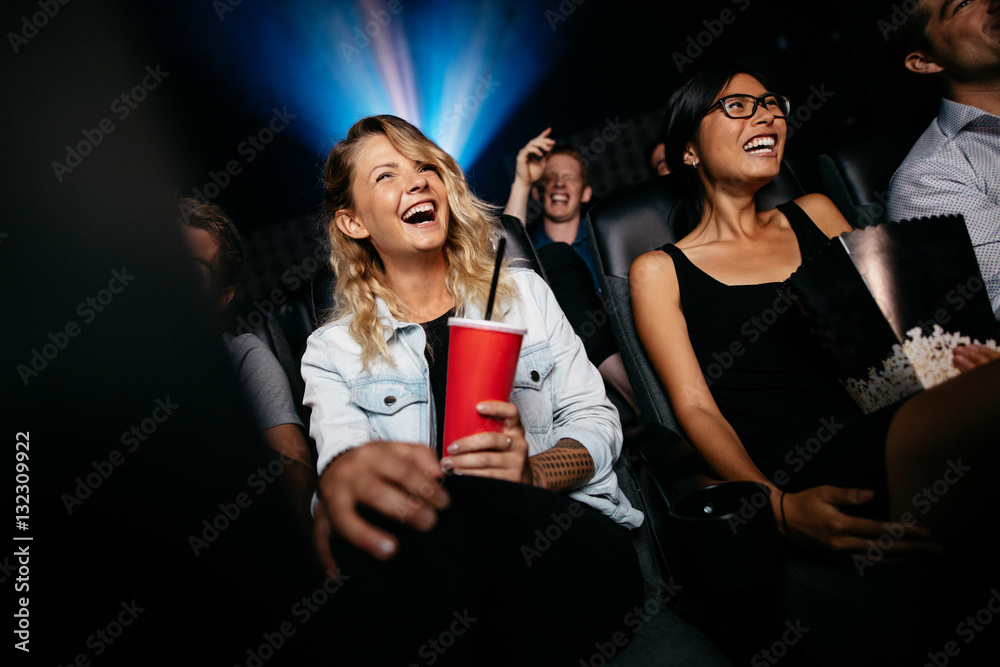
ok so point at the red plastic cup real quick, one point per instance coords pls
(482, 358)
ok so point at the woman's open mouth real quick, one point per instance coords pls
(760, 145)
(420, 213)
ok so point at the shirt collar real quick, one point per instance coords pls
(954, 117)
(581, 233)
(386, 317)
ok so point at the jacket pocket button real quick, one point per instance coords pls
(534, 376)
(390, 400)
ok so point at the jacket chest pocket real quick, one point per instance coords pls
(394, 404)
(532, 393)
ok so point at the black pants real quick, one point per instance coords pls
(511, 575)
(573, 287)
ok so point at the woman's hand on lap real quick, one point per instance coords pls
(814, 518)
(397, 479)
(502, 455)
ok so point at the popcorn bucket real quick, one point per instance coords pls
(890, 302)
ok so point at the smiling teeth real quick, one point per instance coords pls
(419, 208)
(759, 142)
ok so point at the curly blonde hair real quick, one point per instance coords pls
(361, 279)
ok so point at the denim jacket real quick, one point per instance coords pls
(557, 390)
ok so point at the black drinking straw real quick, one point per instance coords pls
(501, 246)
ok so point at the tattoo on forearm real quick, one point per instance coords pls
(564, 467)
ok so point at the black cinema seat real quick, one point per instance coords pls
(856, 170)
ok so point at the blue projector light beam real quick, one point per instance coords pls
(457, 70)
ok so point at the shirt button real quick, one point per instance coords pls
(390, 400)
(534, 376)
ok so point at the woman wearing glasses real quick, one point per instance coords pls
(748, 386)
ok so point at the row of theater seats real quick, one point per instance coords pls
(658, 465)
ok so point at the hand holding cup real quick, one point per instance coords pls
(498, 454)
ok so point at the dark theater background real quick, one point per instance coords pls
(256, 93)
(113, 110)
(481, 78)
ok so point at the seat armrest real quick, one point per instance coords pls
(665, 467)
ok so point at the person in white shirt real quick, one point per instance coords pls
(954, 168)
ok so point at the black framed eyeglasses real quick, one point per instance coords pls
(745, 106)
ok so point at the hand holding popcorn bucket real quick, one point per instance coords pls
(891, 302)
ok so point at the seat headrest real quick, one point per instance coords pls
(868, 159)
(519, 246)
(639, 218)
(634, 220)
(857, 169)
(321, 293)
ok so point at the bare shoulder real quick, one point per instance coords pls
(825, 214)
(652, 275)
(656, 265)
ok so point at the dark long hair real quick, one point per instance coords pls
(685, 111)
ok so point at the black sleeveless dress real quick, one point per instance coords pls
(772, 383)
